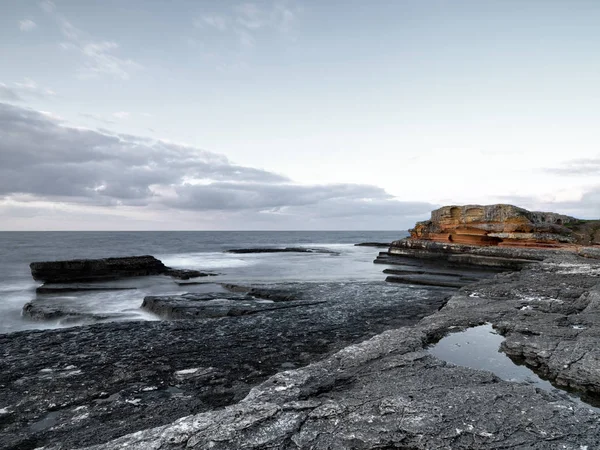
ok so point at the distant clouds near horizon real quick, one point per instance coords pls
(48, 167)
(282, 114)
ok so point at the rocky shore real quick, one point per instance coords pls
(389, 392)
(318, 366)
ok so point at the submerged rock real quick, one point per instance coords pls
(87, 270)
(39, 312)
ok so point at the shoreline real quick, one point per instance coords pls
(382, 391)
(370, 383)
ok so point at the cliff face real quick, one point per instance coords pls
(504, 225)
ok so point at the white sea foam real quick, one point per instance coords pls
(207, 261)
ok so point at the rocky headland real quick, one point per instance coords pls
(317, 366)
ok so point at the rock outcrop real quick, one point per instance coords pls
(505, 226)
(390, 392)
(87, 385)
(89, 270)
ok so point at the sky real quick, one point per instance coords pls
(282, 114)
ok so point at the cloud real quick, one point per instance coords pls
(581, 166)
(9, 94)
(27, 25)
(121, 115)
(98, 57)
(278, 16)
(97, 118)
(42, 159)
(246, 20)
(18, 91)
(213, 21)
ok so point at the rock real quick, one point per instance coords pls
(40, 312)
(388, 392)
(275, 295)
(373, 244)
(127, 375)
(83, 270)
(461, 255)
(504, 225)
(281, 250)
(86, 270)
(205, 306)
(186, 274)
(428, 280)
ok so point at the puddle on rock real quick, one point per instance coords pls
(479, 348)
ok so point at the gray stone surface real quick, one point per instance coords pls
(87, 385)
(388, 392)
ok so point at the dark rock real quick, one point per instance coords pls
(281, 250)
(275, 295)
(388, 392)
(107, 380)
(373, 244)
(39, 312)
(186, 274)
(86, 270)
(83, 270)
(427, 280)
(458, 255)
(205, 306)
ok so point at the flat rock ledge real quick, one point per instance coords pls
(389, 392)
(91, 270)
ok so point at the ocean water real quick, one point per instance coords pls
(202, 250)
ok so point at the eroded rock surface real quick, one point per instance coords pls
(388, 392)
(505, 225)
(88, 385)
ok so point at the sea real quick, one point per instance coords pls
(200, 250)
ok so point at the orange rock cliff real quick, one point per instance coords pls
(507, 226)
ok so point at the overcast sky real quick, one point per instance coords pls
(148, 114)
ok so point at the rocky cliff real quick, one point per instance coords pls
(505, 226)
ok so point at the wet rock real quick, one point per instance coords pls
(86, 270)
(204, 306)
(373, 244)
(388, 392)
(82, 270)
(276, 295)
(281, 250)
(428, 280)
(186, 274)
(42, 312)
(135, 375)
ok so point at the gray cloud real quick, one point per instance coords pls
(44, 159)
(581, 166)
(9, 94)
(18, 92)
